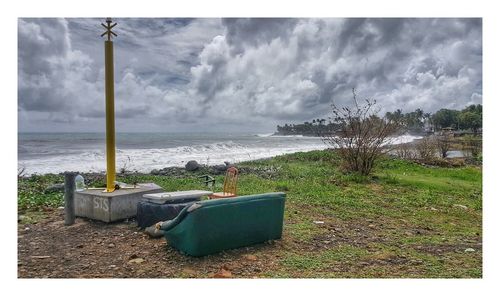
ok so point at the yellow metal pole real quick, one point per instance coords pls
(110, 117)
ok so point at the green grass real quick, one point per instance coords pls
(406, 220)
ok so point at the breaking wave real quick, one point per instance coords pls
(146, 159)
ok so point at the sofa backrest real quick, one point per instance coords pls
(266, 197)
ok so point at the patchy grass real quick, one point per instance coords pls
(406, 220)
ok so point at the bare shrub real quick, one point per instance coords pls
(426, 148)
(124, 168)
(471, 145)
(21, 172)
(359, 135)
(443, 143)
(406, 151)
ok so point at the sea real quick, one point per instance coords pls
(42, 153)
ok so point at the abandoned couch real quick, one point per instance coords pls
(211, 226)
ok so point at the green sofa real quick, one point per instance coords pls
(210, 226)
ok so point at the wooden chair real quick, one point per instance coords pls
(229, 187)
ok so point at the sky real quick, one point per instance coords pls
(248, 75)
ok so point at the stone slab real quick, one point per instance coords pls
(111, 206)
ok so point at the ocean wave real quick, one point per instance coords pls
(145, 160)
(264, 135)
(294, 136)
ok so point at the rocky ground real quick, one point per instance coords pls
(90, 249)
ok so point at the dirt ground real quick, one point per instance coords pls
(92, 249)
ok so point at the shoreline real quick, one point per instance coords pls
(147, 160)
(178, 171)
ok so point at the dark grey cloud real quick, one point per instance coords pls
(190, 74)
(242, 33)
(295, 73)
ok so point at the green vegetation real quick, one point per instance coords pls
(469, 118)
(405, 220)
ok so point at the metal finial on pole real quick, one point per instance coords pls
(108, 28)
(110, 107)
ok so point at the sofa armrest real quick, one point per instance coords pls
(167, 225)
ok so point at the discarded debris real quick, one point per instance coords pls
(40, 257)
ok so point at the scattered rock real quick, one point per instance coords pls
(192, 165)
(318, 222)
(189, 271)
(250, 257)
(371, 226)
(433, 209)
(223, 274)
(220, 168)
(111, 245)
(469, 250)
(136, 260)
(460, 206)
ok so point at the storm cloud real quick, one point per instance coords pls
(241, 74)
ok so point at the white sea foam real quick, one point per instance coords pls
(264, 135)
(406, 138)
(144, 160)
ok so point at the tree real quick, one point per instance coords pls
(470, 120)
(359, 134)
(446, 118)
(396, 115)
